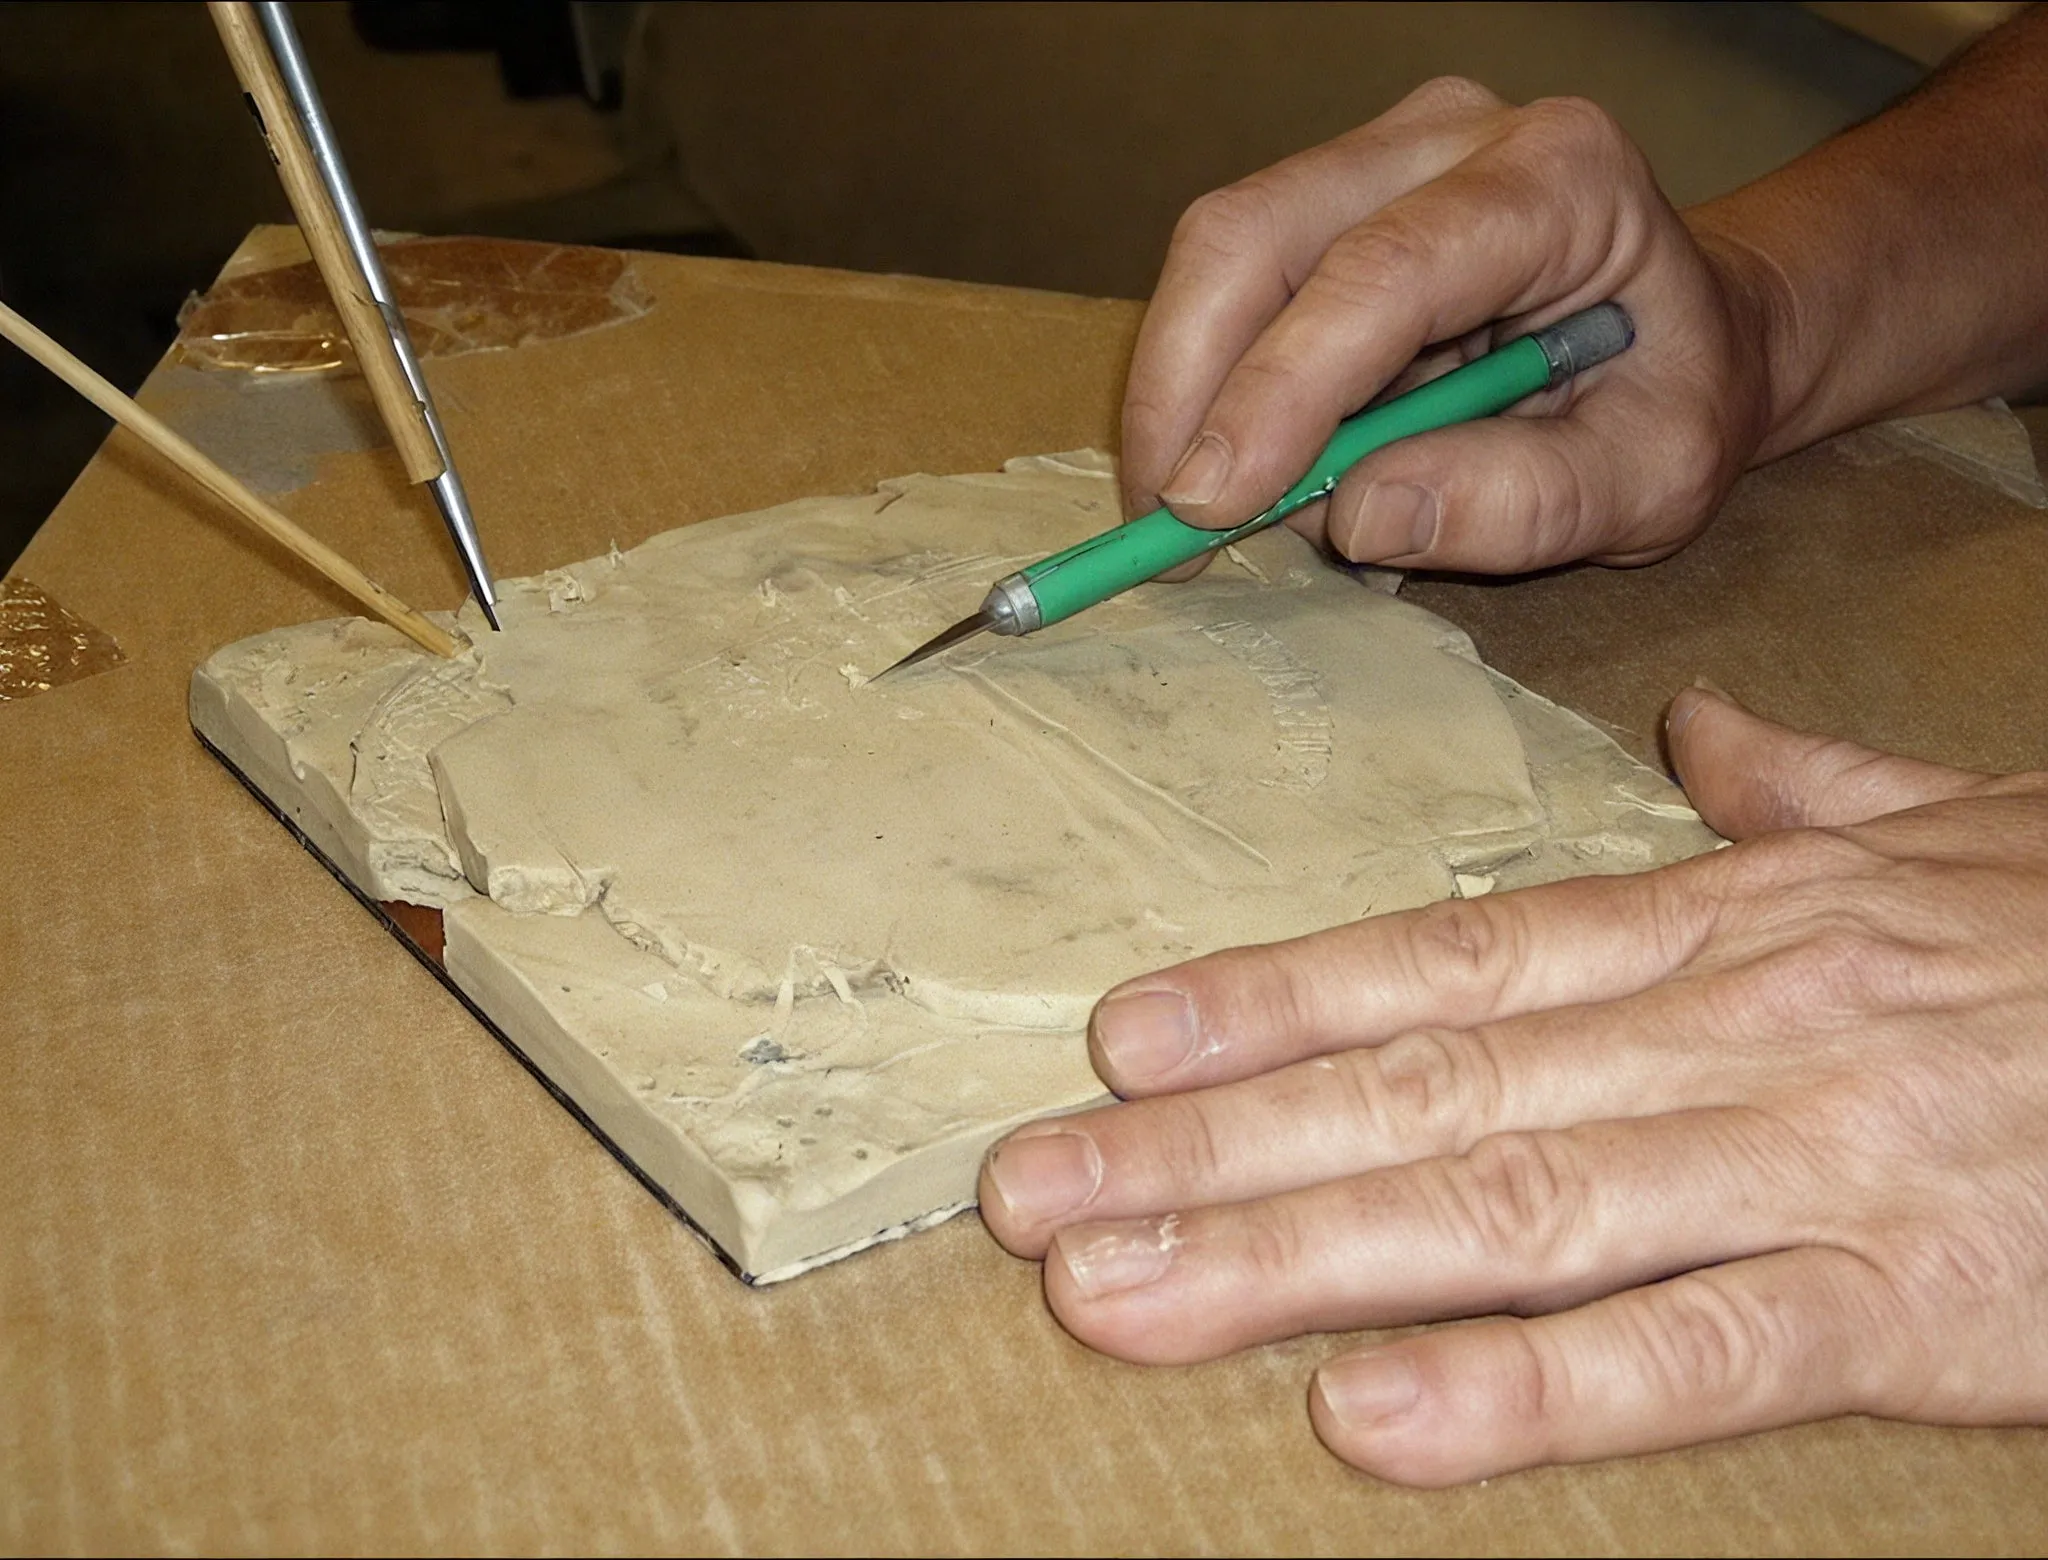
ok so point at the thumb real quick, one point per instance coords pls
(1502, 495)
(1748, 775)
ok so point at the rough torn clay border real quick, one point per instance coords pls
(417, 926)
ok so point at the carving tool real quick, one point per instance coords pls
(1107, 565)
(264, 48)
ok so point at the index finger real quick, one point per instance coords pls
(1244, 1011)
(1239, 254)
(1550, 217)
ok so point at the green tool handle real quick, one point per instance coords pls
(1111, 563)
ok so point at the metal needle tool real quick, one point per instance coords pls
(1106, 565)
(449, 494)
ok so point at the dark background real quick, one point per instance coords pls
(1030, 144)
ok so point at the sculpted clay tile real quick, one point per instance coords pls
(803, 944)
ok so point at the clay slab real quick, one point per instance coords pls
(802, 945)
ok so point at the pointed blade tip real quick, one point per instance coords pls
(966, 628)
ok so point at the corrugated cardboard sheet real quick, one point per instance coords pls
(293, 1257)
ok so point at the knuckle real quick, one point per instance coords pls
(1184, 1145)
(1834, 973)
(1534, 1384)
(1467, 943)
(1697, 1340)
(1268, 379)
(1853, 1111)
(1251, 999)
(1552, 516)
(1273, 1244)
(1509, 531)
(1518, 1197)
(1914, 1107)
(1572, 126)
(1286, 995)
(1231, 225)
(1447, 95)
(1376, 261)
(1971, 1266)
(1848, 931)
(1848, 966)
(1676, 918)
(1772, 1147)
(1849, 774)
(1967, 1267)
(1435, 1086)
(1146, 412)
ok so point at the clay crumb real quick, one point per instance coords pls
(1231, 552)
(656, 990)
(1672, 810)
(564, 590)
(761, 1050)
(855, 677)
(1470, 885)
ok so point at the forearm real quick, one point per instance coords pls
(1903, 265)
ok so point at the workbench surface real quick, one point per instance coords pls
(294, 1257)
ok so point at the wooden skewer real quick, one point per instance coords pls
(153, 432)
(256, 69)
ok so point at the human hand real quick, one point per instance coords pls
(1449, 224)
(1758, 1138)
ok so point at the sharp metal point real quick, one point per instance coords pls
(276, 21)
(453, 503)
(454, 506)
(966, 628)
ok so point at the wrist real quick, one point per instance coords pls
(1780, 335)
(1898, 267)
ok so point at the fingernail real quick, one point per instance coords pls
(1366, 1390)
(1112, 1258)
(1145, 1034)
(1201, 473)
(1043, 1176)
(1395, 520)
(1682, 710)
(1714, 688)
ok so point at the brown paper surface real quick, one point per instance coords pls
(294, 1257)
(1852, 588)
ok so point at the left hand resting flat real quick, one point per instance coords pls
(1753, 1139)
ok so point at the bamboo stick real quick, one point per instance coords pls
(256, 69)
(159, 437)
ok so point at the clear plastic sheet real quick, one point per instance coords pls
(457, 294)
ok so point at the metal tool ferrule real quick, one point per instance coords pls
(1594, 335)
(1010, 606)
